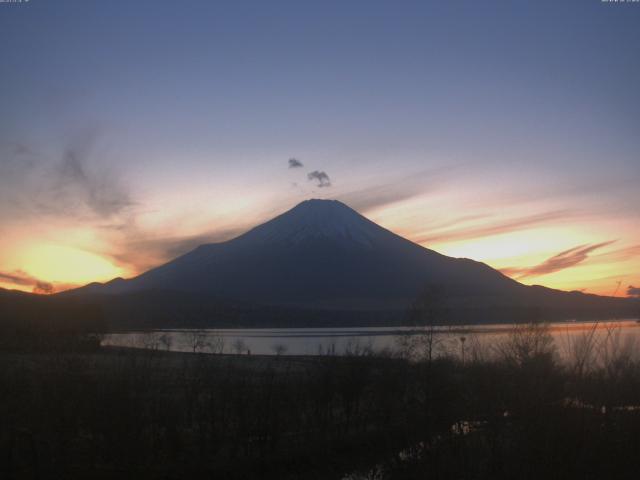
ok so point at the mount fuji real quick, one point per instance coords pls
(324, 256)
(321, 253)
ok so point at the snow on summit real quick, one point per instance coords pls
(319, 219)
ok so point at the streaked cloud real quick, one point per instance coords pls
(619, 255)
(397, 190)
(633, 291)
(563, 260)
(20, 278)
(495, 228)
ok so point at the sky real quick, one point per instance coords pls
(503, 131)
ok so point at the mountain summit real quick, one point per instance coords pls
(328, 220)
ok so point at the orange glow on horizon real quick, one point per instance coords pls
(65, 262)
(61, 266)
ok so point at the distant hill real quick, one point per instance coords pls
(29, 321)
(323, 263)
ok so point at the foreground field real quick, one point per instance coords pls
(117, 413)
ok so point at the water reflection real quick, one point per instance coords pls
(579, 341)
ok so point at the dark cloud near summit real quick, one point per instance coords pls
(295, 163)
(320, 177)
(633, 291)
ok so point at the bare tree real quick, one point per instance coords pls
(166, 340)
(580, 350)
(216, 342)
(427, 315)
(239, 346)
(196, 339)
(615, 349)
(527, 342)
(150, 341)
(475, 351)
(279, 349)
(355, 348)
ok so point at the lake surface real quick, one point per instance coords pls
(469, 341)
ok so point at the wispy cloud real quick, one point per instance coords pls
(68, 187)
(618, 255)
(397, 190)
(75, 187)
(101, 191)
(496, 228)
(563, 260)
(139, 251)
(18, 277)
(320, 177)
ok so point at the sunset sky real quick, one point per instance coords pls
(506, 132)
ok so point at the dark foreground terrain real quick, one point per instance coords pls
(111, 414)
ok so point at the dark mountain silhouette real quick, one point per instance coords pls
(322, 256)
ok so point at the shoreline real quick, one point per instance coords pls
(398, 329)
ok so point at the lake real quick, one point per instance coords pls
(469, 340)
